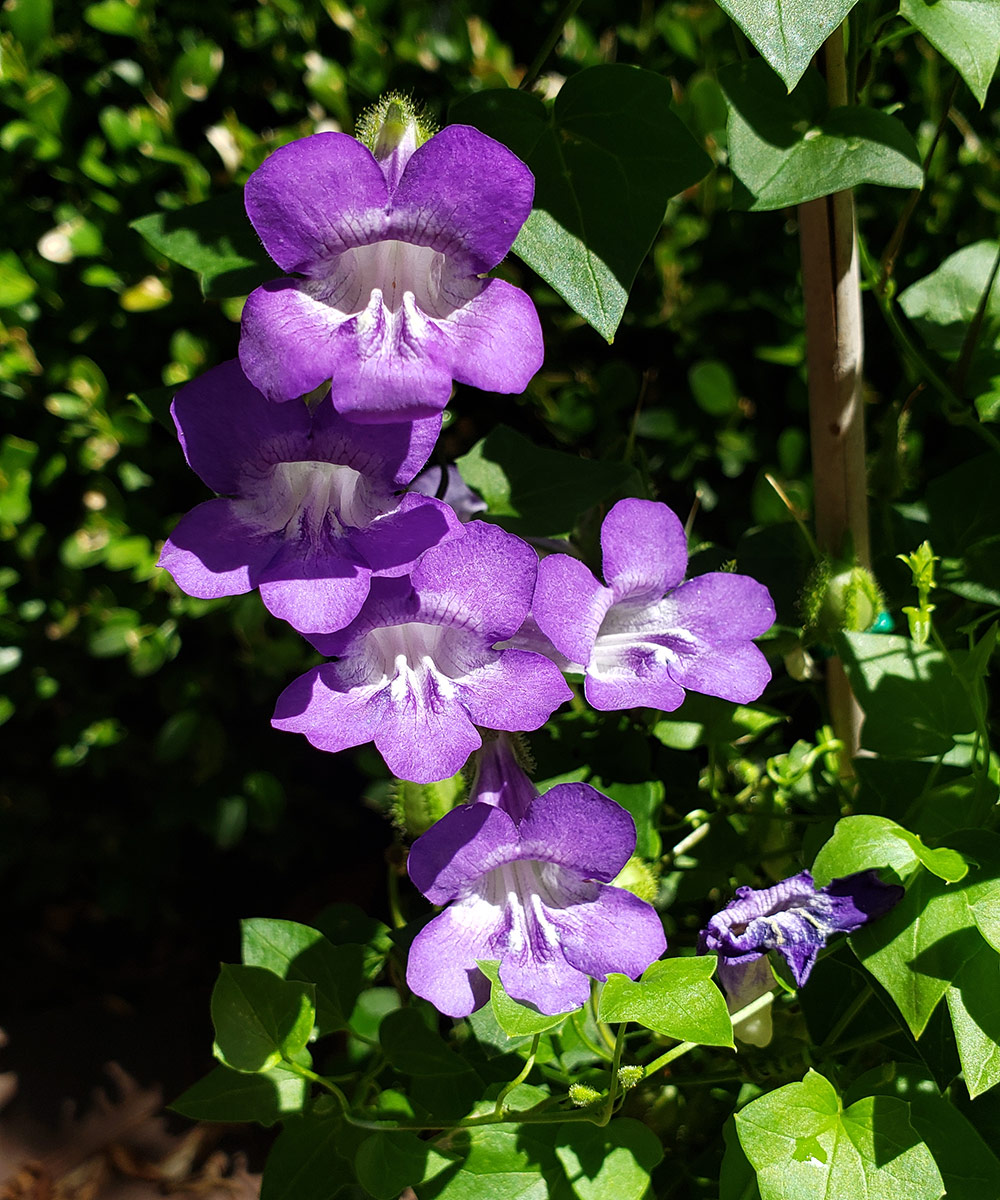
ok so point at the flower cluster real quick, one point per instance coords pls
(438, 626)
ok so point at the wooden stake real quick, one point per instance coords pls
(831, 283)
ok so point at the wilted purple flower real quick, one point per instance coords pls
(455, 491)
(530, 890)
(795, 918)
(417, 671)
(390, 250)
(648, 636)
(310, 508)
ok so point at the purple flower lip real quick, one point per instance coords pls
(310, 511)
(647, 636)
(418, 669)
(795, 918)
(530, 891)
(392, 304)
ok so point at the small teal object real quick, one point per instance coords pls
(883, 623)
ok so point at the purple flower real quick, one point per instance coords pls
(417, 671)
(648, 635)
(390, 249)
(530, 890)
(310, 510)
(456, 492)
(795, 918)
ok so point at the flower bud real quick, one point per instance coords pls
(840, 597)
(639, 878)
(630, 1077)
(416, 806)
(392, 129)
(582, 1095)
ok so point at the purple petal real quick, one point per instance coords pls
(484, 578)
(722, 607)
(634, 682)
(389, 454)
(425, 736)
(614, 932)
(392, 544)
(316, 589)
(569, 605)
(224, 424)
(212, 553)
(645, 549)
(315, 198)
(494, 340)
(331, 719)
(737, 673)
(516, 691)
(463, 845)
(857, 899)
(441, 966)
(574, 826)
(500, 780)
(545, 979)
(464, 194)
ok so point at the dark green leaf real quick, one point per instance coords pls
(914, 705)
(313, 1159)
(500, 1163)
(607, 156)
(612, 1163)
(516, 1020)
(675, 997)
(788, 32)
(804, 1144)
(785, 150)
(643, 801)
(974, 1006)
(535, 492)
(215, 239)
(296, 951)
(259, 1018)
(415, 1049)
(969, 1168)
(388, 1163)
(966, 32)
(226, 1095)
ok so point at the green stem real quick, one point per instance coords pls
(593, 1047)
(568, 9)
(521, 1076)
(975, 327)
(319, 1080)
(852, 1010)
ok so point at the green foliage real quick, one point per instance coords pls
(785, 150)
(967, 33)
(228, 1095)
(259, 1018)
(788, 32)
(607, 157)
(676, 998)
(516, 1020)
(803, 1142)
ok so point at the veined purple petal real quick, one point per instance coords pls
(569, 605)
(574, 826)
(441, 965)
(224, 424)
(393, 543)
(614, 932)
(515, 691)
(465, 195)
(330, 718)
(644, 548)
(213, 553)
(458, 848)
(312, 587)
(456, 492)
(494, 340)
(315, 198)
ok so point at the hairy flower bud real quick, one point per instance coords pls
(839, 596)
(416, 806)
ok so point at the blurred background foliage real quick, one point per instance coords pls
(141, 787)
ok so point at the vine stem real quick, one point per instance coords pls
(834, 351)
(568, 9)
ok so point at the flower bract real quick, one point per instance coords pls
(648, 636)
(388, 252)
(417, 671)
(310, 509)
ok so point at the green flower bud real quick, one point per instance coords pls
(639, 878)
(581, 1095)
(630, 1077)
(416, 806)
(394, 122)
(839, 597)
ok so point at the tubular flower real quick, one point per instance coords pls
(647, 636)
(417, 670)
(795, 918)
(310, 509)
(526, 878)
(389, 247)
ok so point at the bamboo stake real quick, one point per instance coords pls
(831, 283)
